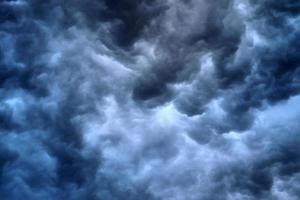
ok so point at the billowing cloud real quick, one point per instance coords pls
(148, 99)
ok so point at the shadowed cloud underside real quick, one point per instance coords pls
(149, 99)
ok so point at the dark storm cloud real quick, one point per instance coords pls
(40, 148)
(127, 99)
(276, 65)
(222, 33)
(199, 28)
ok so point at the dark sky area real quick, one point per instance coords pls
(149, 100)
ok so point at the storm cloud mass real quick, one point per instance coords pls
(149, 99)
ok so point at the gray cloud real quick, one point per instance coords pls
(143, 99)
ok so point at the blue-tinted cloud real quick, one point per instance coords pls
(180, 99)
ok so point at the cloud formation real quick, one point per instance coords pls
(148, 99)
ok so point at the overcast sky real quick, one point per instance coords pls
(149, 99)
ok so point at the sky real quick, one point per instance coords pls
(149, 99)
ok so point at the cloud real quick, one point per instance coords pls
(140, 99)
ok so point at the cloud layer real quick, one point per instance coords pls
(149, 99)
